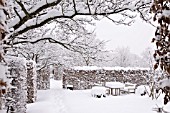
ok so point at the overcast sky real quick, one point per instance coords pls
(137, 37)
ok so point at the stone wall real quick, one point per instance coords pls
(85, 79)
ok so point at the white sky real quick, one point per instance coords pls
(137, 37)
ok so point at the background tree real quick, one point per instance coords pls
(147, 56)
(122, 56)
(90, 54)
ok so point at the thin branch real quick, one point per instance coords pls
(23, 8)
(74, 3)
(34, 13)
(17, 13)
(88, 6)
(120, 21)
(43, 66)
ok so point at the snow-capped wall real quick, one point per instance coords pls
(86, 77)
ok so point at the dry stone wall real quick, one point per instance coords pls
(85, 79)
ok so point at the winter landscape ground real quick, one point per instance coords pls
(58, 100)
(43, 37)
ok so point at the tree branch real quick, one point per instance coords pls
(49, 39)
(17, 13)
(34, 13)
(23, 8)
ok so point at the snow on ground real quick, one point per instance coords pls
(49, 101)
(58, 100)
(82, 102)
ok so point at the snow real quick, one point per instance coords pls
(167, 107)
(164, 82)
(69, 85)
(2, 71)
(107, 68)
(166, 13)
(49, 101)
(115, 85)
(58, 100)
(2, 111)
(98, 90)
(141, 89)
(86, 68)
(3, 87)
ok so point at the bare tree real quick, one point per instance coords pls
(90, 54)
(122, 56)
(147, 56)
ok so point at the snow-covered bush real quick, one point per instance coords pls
(98, 91)
(142, 90)
(3, 89)
(31, 82)
(3, 85)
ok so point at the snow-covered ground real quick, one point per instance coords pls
(58, 100)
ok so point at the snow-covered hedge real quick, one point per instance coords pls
(57, 72)
(16, 95)
(43, 78)
(31, 82)
(86, 77)
(3, 85)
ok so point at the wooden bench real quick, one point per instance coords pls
(124, 91)
(129, 88)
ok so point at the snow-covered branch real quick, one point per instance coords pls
(44, 11)
(51, 40)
